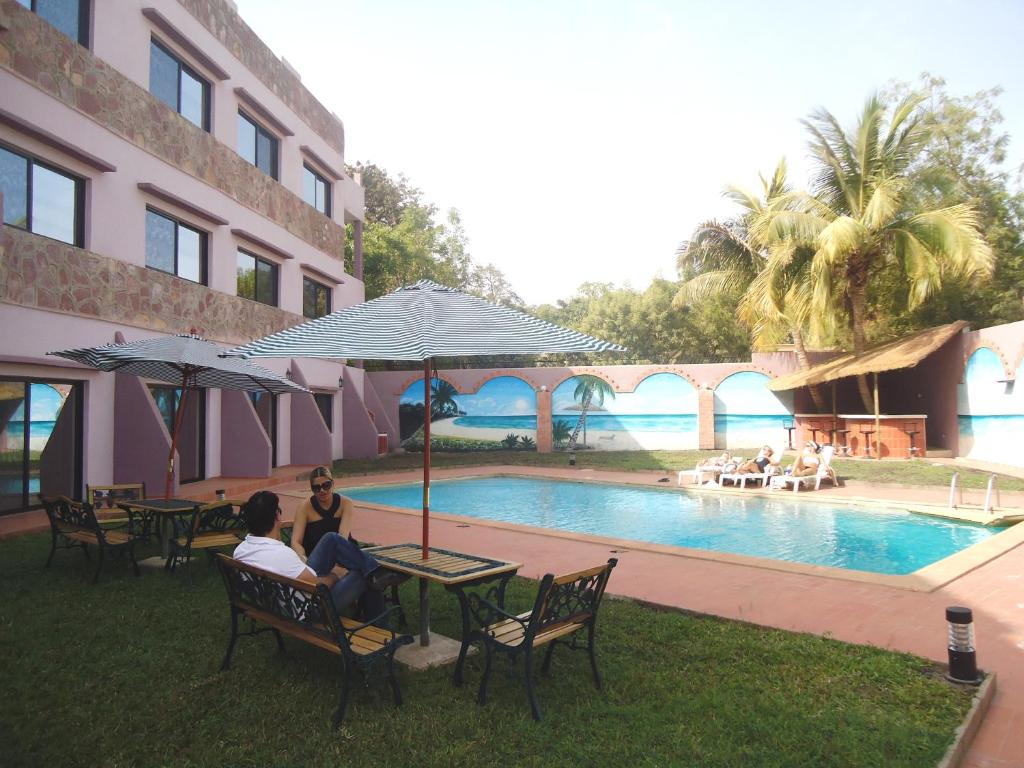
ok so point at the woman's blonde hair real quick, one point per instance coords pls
(320, 472)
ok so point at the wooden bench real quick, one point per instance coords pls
(74, 524)
(565, 606)
(306, 612)
(211, 526)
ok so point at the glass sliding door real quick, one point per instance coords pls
(192, 433)
(266, 409)
(40, 441)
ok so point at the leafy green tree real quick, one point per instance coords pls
(964, 161)
(720, 256)
(859, 220)
(561, 431)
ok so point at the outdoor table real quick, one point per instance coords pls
(165, 509)
(455, 571)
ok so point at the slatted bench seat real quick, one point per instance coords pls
(74, 524)
(565, 605)
(306, 612)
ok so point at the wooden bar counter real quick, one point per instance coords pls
(898, 433)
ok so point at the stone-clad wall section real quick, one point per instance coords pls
(51, 61)
(46, 274)
(226, 25)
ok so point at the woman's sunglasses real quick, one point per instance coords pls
(324, 486)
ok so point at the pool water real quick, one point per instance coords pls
(862, 539)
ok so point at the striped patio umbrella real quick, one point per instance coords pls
(420, 322)
(186, 360)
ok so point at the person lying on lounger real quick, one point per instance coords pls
(807, 462)
(759, 465)
(717, 461)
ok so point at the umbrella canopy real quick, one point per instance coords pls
(420, 322)
(187, 360)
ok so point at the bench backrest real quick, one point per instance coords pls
(570, 599)
(67, 515)
(108, 496)
(307, 606)
(217, 517)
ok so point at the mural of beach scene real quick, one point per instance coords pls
(503, 406)
(660, 414)
(46, 402)
(990, 411)
(748, 414)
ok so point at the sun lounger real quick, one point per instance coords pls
(698, 474)
(825, 472)
(742, 478)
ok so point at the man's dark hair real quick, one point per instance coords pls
(260, 512)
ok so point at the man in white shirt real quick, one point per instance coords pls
(335, 561)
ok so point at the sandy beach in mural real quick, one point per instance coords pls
(598, 440)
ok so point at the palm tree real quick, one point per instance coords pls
(858, 220)
(588, 389)
(720, 256)
(442, 400)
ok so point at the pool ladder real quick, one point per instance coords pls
(988, 492)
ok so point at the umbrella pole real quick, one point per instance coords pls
(174, 436)
(426, 457)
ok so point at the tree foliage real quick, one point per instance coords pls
(403, 242)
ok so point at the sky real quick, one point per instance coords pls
(583, 141)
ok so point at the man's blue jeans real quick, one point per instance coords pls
(334, 549)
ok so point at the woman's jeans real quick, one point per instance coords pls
(334, 549)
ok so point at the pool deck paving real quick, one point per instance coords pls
(863, 612)
(866, 613)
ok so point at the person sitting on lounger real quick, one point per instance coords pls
(759, 465)
(807, 462)
(335, 562)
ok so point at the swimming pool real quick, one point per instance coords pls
(885, 541)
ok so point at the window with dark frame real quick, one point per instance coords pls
(316, 298)
(316, 190)
(257, 145)
(175, 247)
(42, 199)
(69, 16)
(325, 403)
(178, 86)
(257, 278)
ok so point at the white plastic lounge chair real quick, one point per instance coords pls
(698, 473)
(825, 472)
(772, 470)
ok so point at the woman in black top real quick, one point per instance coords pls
(323, 512)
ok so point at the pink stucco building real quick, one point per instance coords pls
(161, 170)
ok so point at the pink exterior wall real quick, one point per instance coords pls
(97, 103)
(310, 439)
(360, 434)
(141, 441)
(245, 451)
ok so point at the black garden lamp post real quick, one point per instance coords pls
(963, 664)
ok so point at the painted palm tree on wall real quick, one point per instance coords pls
(442, 400)
(590, 390)
(561, 431)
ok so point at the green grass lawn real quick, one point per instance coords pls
(125, 673)
(916, 472)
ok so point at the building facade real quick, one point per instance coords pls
(161, 171)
